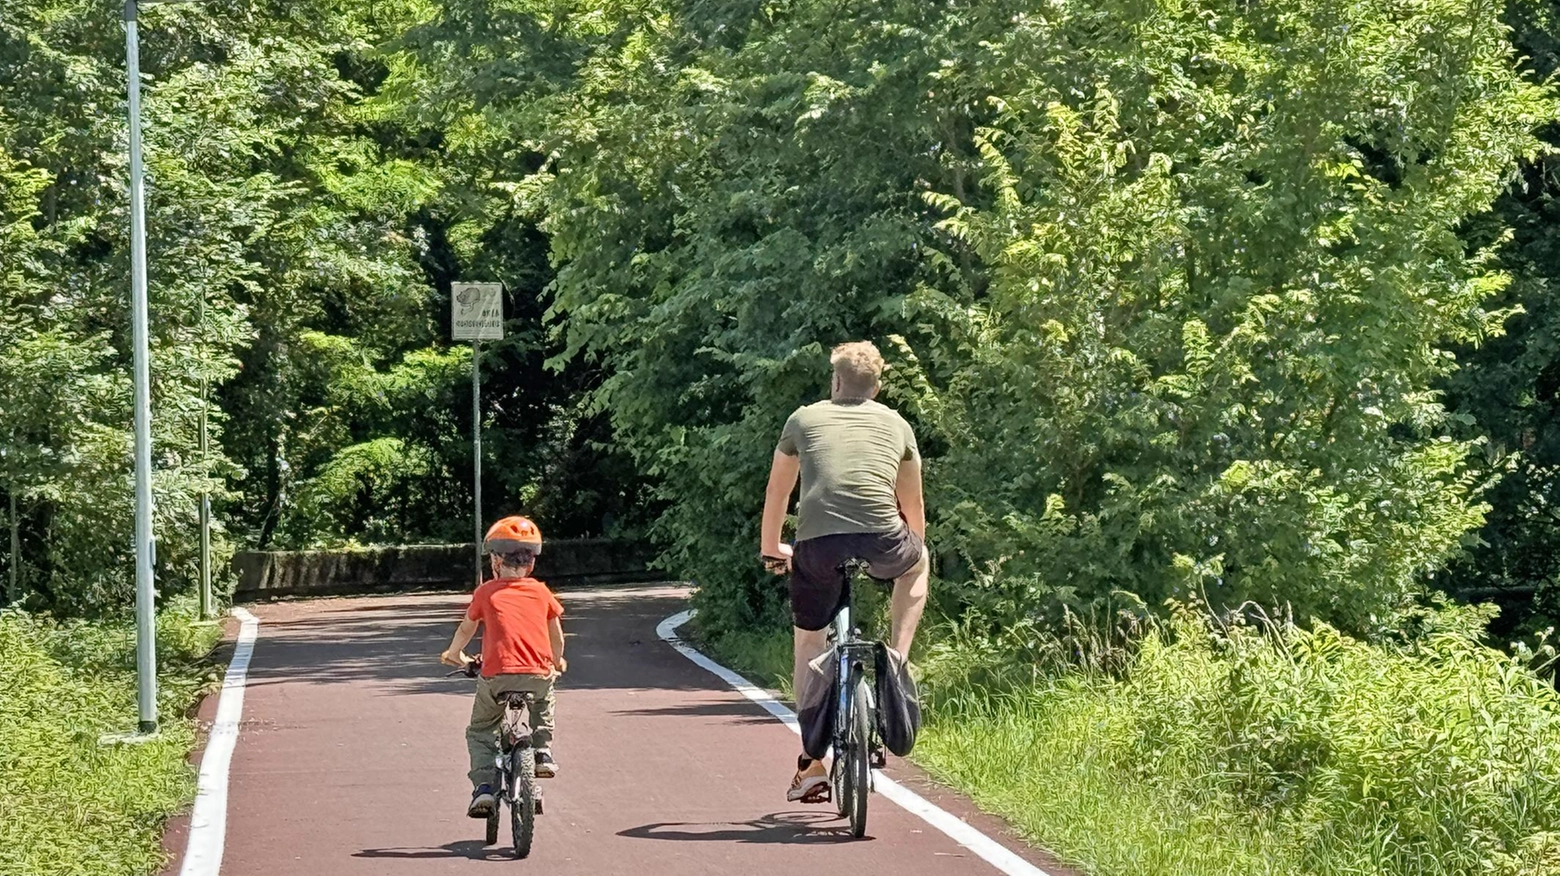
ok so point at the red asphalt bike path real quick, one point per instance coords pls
(351, 759)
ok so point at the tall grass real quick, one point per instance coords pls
(1214, 746)
(68, 804)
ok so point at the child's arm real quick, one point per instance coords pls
(555, 632)
(463, 633)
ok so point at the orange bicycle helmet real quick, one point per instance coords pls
(513, 535)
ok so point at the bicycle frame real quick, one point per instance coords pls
(851, 775)
(850, 646)
(848, 651)
(514, 731)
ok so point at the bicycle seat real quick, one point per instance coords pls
(516, 698)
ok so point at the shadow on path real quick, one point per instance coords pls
(782, 828)
(474, 850)
(395, 644)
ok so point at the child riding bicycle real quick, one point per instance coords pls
(522, 650)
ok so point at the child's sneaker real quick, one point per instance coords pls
(482, 802)
(546, 767)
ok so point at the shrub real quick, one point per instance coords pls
(1227, 745)
(69, 804)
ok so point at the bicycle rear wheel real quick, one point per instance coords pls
(522, 803)
(858, 771)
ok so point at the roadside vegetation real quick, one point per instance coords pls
(70, 804)
(1206, 745)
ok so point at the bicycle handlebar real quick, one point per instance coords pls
(470, 670)
(474, 668)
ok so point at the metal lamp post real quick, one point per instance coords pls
(145, 588)
(145, 545)
(205, 464)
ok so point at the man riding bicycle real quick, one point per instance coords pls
(861, 498)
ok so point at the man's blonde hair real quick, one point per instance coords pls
(859, 366)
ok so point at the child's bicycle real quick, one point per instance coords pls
(516, 764)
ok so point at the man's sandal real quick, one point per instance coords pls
(808, 787)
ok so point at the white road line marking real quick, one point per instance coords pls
(208, 822)
(960, 831)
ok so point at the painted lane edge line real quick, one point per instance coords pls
(957, 829)
(208, 820)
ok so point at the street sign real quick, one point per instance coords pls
(477, 311)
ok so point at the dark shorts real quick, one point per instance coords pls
(818, 585)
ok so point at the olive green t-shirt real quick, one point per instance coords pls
(850, 454)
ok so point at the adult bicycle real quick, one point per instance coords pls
(856, 749)
(854, 739)
(516, 764)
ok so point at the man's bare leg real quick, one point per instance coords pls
(909, 601)
(811, 780)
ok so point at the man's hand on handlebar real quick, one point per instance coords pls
(777, 558)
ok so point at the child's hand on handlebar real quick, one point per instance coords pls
(457, 659)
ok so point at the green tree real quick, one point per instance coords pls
(68, 398)
(1224, 274)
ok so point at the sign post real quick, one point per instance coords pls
(477, 315)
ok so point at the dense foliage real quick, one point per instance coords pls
(66, 686)
(1169, 287)
(1507, 389)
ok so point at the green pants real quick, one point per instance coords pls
(487, 713)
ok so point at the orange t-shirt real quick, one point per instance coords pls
(514, 613)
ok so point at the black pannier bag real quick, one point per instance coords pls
(816, 706)
(898, 701)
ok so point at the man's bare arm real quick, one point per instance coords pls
(907, 489)
(783, 472)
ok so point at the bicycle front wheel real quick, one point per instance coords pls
(522, 803)
(840, 785)
(858, 765)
